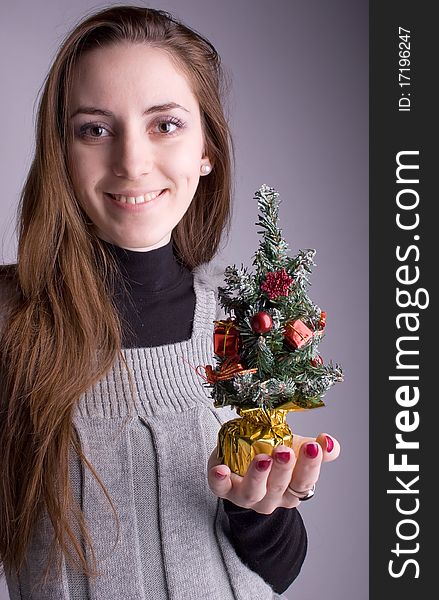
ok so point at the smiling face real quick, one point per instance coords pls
(147, 138)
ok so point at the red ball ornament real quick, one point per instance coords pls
(322, 320)
(261, 322)
(317, 361)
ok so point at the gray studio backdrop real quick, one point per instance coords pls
(299, 115)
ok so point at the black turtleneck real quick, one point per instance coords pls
(157, 308)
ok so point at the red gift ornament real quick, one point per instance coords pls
(297, 333)
(226, 339)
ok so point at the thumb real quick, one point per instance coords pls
(218, 476)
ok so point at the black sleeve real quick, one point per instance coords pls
(274, 546)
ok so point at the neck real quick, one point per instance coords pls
(153, 271)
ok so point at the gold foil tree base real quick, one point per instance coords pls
(256, 431)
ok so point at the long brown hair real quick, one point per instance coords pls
(62, 332)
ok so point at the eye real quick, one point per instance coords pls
(169, 125)
(92, 127)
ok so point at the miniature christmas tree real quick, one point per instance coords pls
(266, 351)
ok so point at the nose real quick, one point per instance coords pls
(133, 155)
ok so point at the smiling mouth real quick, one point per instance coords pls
(136, 200)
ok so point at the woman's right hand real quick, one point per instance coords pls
(264, 487)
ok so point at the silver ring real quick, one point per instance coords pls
(302, 496)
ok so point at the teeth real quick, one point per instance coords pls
(138, 200)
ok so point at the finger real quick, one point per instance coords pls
(250, 489)
(330, 446)
(299, 440)
(281, 472)
(284, 460)
(219, 480)
(307, 469)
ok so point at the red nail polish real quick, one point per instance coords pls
(282, 457)
(329, 444)
(262, 465)
(311, 450)
(220, 475)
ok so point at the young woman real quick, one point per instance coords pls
(110, 486)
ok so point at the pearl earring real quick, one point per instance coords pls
(205, 169)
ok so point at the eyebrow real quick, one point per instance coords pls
(93, 110)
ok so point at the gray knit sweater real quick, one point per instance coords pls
(151, 451)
